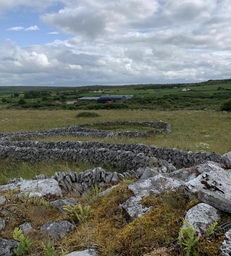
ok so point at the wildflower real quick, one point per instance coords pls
(120, 206)
(199, 234)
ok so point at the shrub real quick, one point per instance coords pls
(21, 102)
(87, 114)
(226, 106)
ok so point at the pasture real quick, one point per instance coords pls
(191, 130)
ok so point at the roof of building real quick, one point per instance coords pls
(88, 98)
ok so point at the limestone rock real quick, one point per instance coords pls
(134, 208)
(208, 166)
(213, 188)
(226, 245)
(2, 200)
(184, 174)
(154, 185)
(149, 172)
(57, 229)
(59, 204)
(107, 191)
(2, 224)
(227, 159)
(35, 187)
(7, 247)
(26, 227)
(201, 216)
(88, 252)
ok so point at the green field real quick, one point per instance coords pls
(189, 128)
(197, 96)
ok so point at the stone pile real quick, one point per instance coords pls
(71, 181)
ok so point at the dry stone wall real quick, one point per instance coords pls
(122, 157)
(180, 158)
(83, 131)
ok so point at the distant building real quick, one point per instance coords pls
(113, 98)
(70, 102)
(99, 91)
(185, 90)
(90, 99)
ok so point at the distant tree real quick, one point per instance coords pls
(44, 98)
(226, 106)
(21, 102)
(16, 95)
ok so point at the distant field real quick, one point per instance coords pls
(193, 96)
(191, 130)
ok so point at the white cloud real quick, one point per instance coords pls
(130, 41)
(53, 33)
(15, 28)
(31, 28)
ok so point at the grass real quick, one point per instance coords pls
(190, 129)
(108, 228)
(16, 169)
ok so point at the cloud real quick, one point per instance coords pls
(6, 5)
(97, 18)
(16, 28)
(53, 33)
(75, 21)
(118, 42)
(31, 28)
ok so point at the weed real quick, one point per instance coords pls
(24, 243)
(188, 238)
(48, 249)
(96, 190)
(210, 229)
(78, 213)
(39, 201)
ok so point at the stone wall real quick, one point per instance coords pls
(83, 131)
(120, 156)
(180, 158)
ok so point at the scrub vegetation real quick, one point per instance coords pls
(212, 94)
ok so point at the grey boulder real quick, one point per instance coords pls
(201, 216)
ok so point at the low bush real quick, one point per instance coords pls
(226, 106)
(87, 114)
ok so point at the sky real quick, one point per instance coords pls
(116, 42)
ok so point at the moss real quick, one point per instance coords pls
(108, 229)
(19, 210)
(211, 245)
(104, 222)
